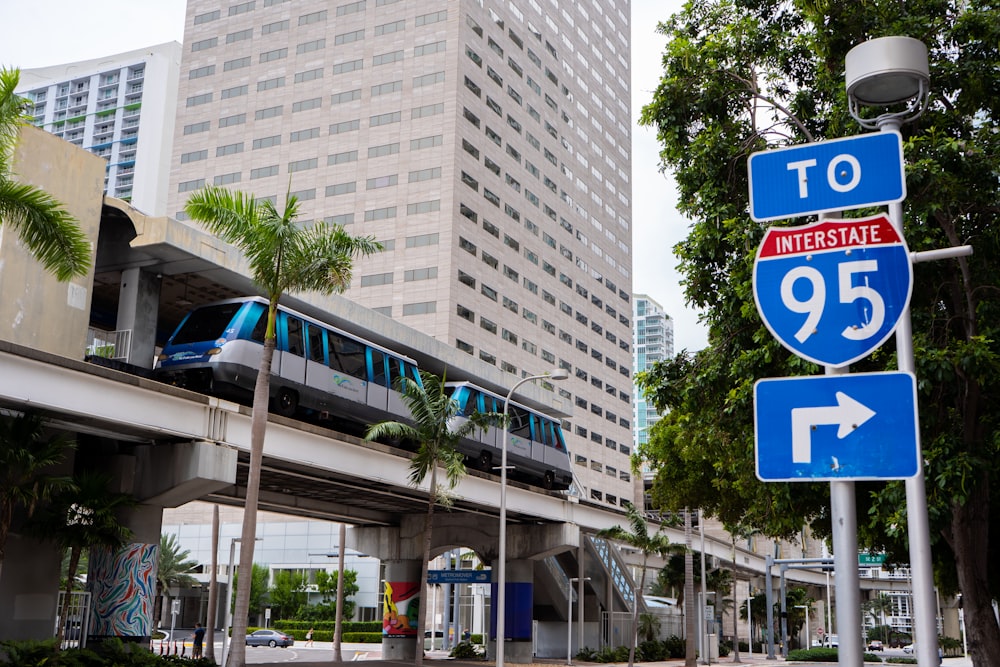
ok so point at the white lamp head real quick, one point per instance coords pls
(558, 374)
(886, 71)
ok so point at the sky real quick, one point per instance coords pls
(50, 32)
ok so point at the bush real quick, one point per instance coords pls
(363, 637)
(651, 651)
(902, 661)
(676, 648)
(586, 654)
(466, 651)
(814, 654)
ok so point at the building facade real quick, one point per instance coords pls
(487, 145)
(653, 341)
(120, 108)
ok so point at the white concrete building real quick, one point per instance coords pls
(121, 108)
(486, 145)
(653, 341)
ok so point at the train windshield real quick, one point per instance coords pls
(207, 323)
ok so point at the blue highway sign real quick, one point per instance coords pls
(861, 426)
(835, 175)
(833, 291)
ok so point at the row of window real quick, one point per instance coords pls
(419, 81)
(354, 7)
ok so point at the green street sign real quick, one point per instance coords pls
(871, 559)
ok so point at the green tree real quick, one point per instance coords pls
(81, 518)
(288, 593)
(433, 411)
(750, 76)
(27, 458)
(878, 608)
(283, 256)
(172, 570)
(41, 223)
(326, 584)
(259, 576)
(637, 536)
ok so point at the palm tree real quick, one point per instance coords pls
(46, 229)
(878, 608)
(84, 517)
(173, 569)
(432, 410)
(637, 535)
(25, 458)
(283, 256)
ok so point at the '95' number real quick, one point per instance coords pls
(873, 316)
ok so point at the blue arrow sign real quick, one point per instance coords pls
(835, 175)
(861, 426)
(832, 292)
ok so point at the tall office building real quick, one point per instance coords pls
(486, 144)
(654, 341)
(119, 107)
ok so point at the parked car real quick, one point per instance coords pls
(908, 648)
(875, 645)
(270, 638)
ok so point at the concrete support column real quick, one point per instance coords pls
(519, 606)
(122, 582)
(403, 590)
(138, 302)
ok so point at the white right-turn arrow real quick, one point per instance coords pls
(848, 414)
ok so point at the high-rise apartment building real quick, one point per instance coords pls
(121, 108)
(653, 341)
(485, 144)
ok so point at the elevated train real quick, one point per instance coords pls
(322, 372)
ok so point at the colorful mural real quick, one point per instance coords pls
(402, 606)
(123, 586)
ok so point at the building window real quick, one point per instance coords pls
(422, 308)
(376, 279)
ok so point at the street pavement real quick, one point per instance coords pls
(321, 655)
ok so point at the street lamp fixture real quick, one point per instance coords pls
(555, 374)
(808, 639)
(887, 71)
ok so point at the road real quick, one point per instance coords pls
(319, 652)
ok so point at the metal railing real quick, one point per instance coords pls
(109, 344)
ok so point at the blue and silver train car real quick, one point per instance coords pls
(317, 369)
(535, 444)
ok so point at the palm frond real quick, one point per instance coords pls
(47, 229)
(13, 114)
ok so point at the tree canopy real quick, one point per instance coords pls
(740, 77)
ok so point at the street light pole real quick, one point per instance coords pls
(226, 639)
(569, 617)
(806, 607)
(554, 374)
(879, 73)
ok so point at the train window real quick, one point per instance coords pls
(206, 323)
(346, 355)
(316, 338)
(395, 372)
(294, 343)
(412, 372)
(260, 326)
(378, 368)
(520, 422)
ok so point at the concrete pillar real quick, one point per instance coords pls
(122, 582)
(403, 590)
(29, 588)
(138, 302)
(519, 605)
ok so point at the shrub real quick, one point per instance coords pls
(586, 654)
(466, 651)
(901, 661)
(814, 654)
(675, 646)
(651, 651)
